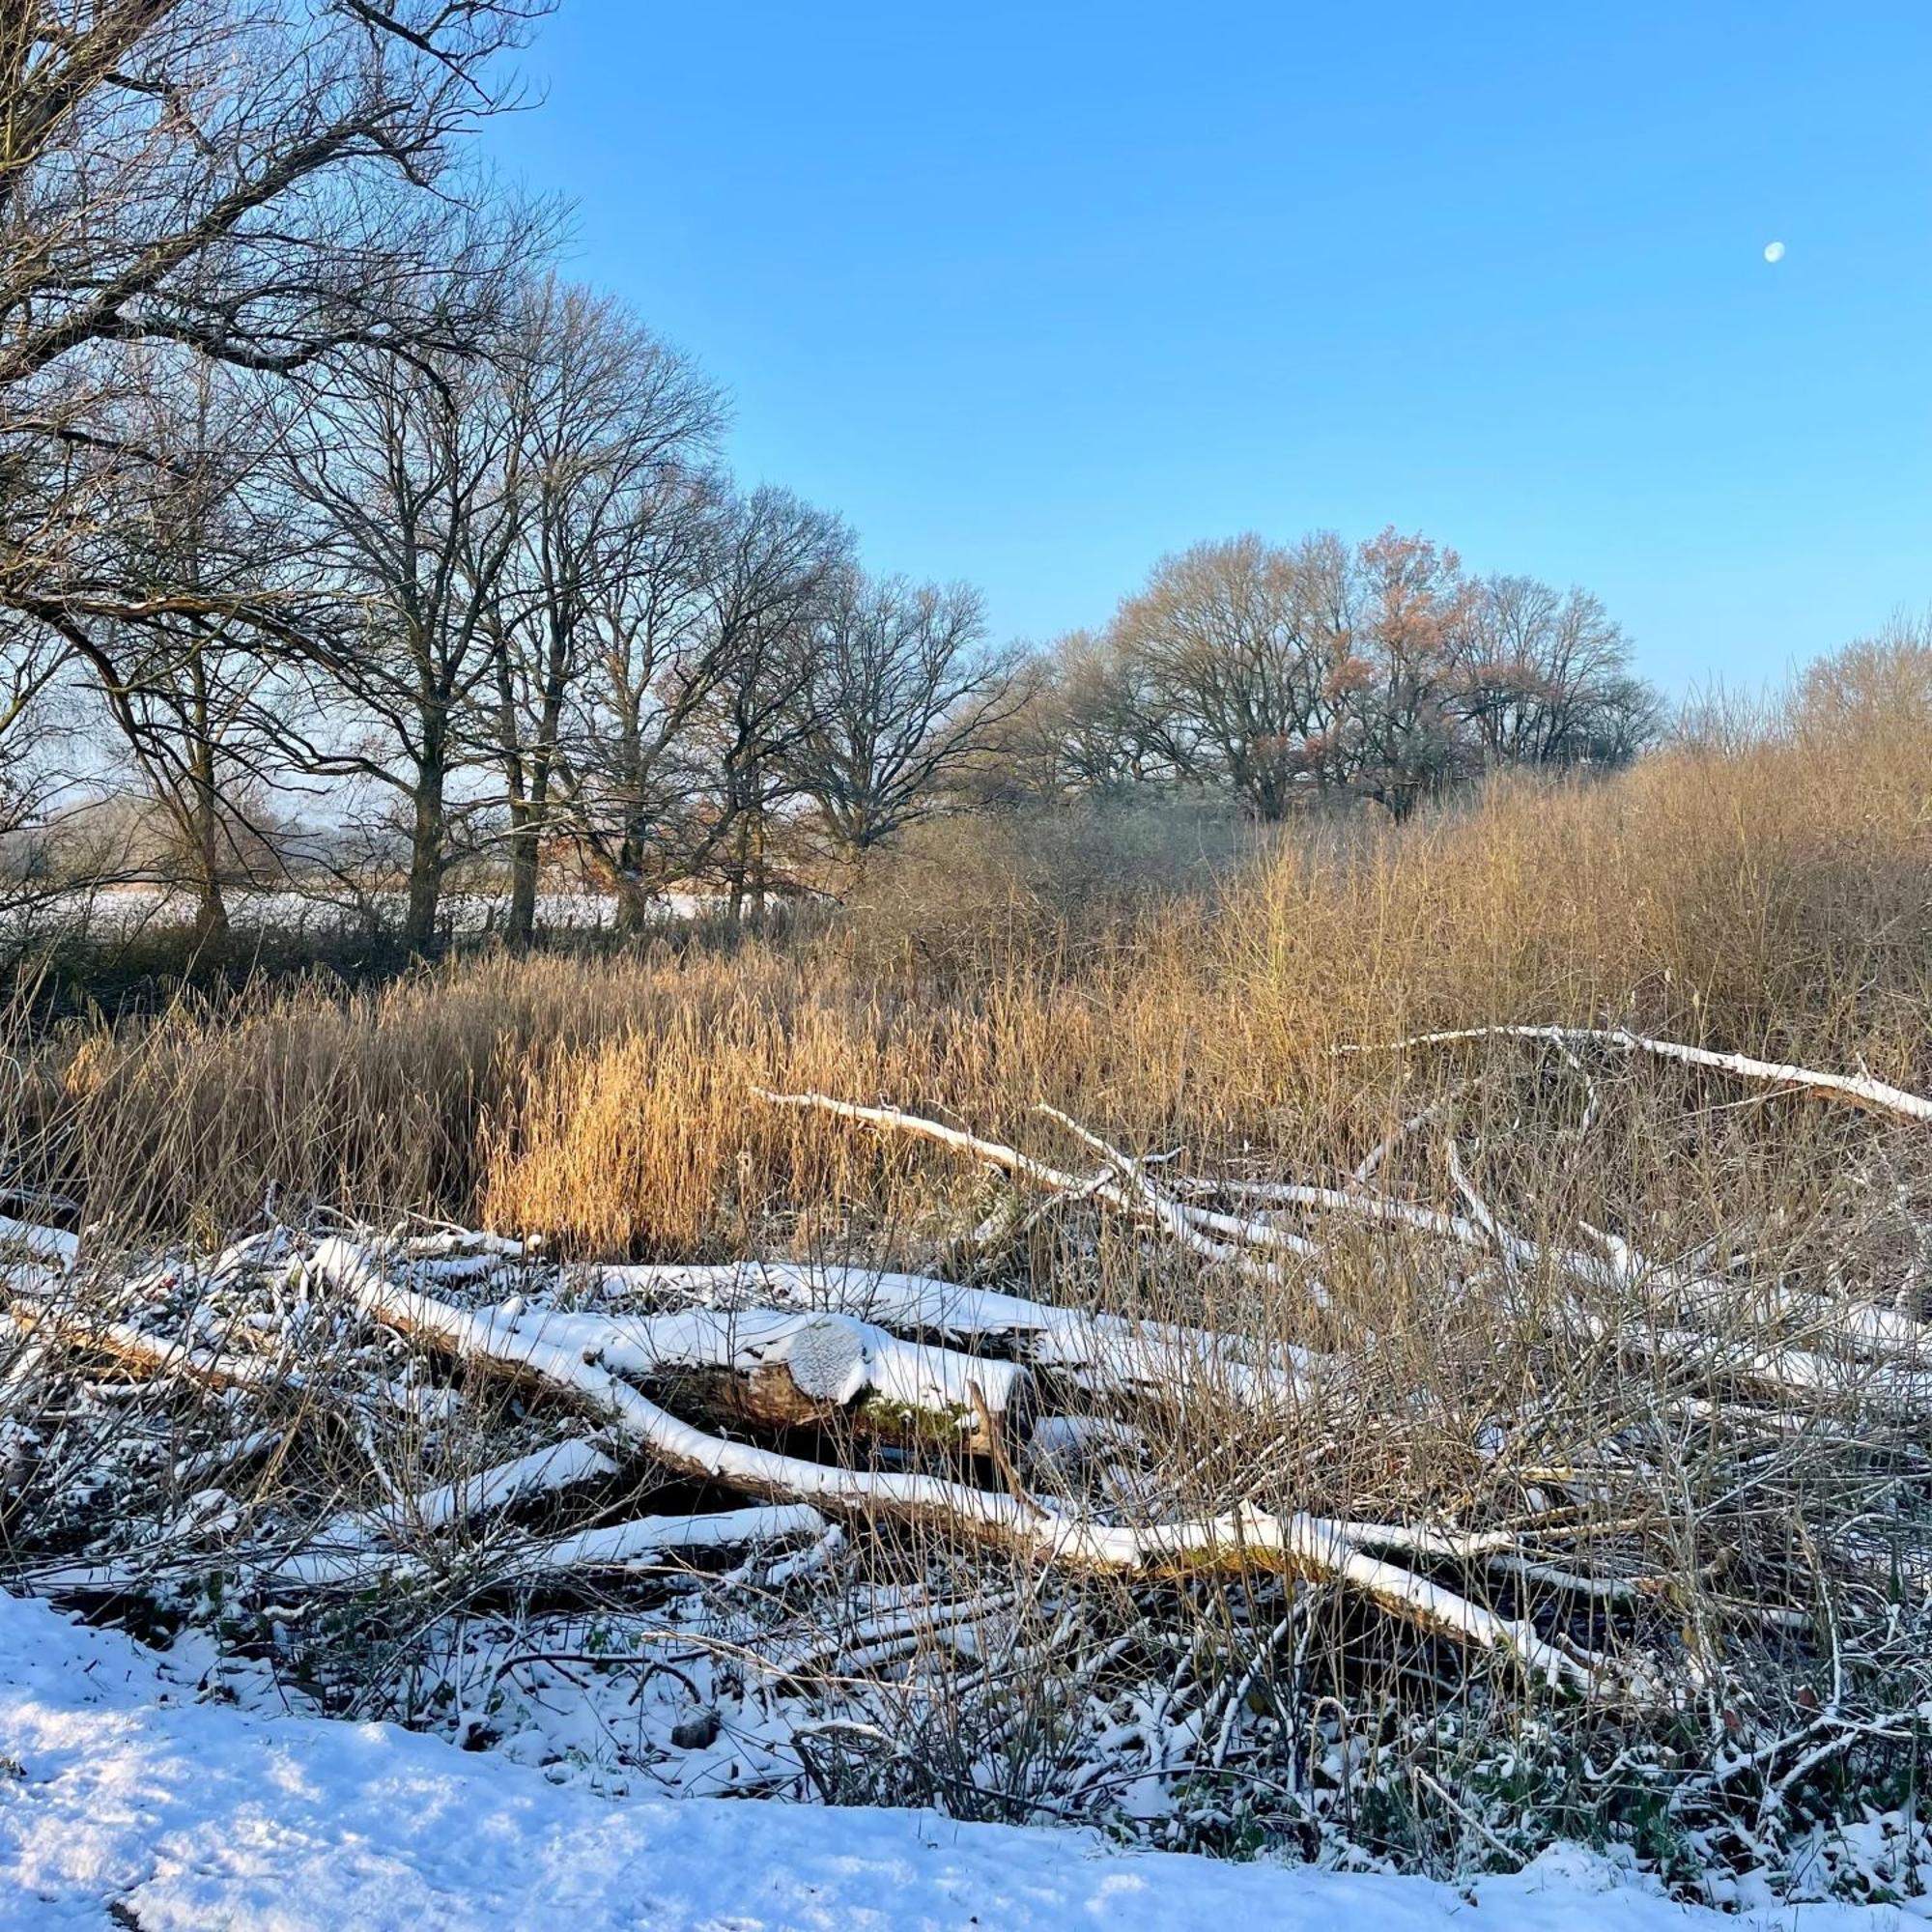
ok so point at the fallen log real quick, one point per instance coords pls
(341, 1560)
(1244, 1538)
(797, 1368)
(1104, 1354)
(648, 1542)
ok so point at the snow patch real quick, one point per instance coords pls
(196, 1816)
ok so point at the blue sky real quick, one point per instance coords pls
(1033, 294)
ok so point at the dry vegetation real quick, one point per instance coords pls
(1620, 1354)
(1768, 894)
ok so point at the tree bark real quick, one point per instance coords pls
(428, 831)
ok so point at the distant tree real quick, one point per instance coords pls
(1543, 678)
(1409, 607)
(408, 474)
(1092, 723)
(1234, 650)
(670, 767)
(607, 425)
(190, 687)
(782, 562)
(903, 695)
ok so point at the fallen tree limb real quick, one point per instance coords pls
(1861, 1088)
(1165, 1210)
(543, 1473)
(1246, 1538)
(647, 1542)
(794, 1368)
(1105, 1355)
(150, 1354)
(1363, 1205)
(361, 1546)
(1216, 1238)
(338, 1562)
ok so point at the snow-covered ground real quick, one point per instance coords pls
(117, 1791)
(118, 912)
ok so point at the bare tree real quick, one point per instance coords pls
(188, 688)
(1538, 674)
(1291, 672)
(902, 696)
(607, 423)
(631, 787)
(782, 560)
(232, 177)
(408, 474)
(1410, 604)
(186, 184)
(1085, 726)
(1237, 649)
(692, 688)
(33, 729)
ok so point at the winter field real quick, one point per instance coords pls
(107, 915)
(732, 1211)
(1391, 1379)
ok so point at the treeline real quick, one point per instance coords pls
(353, 542)
(1303, 673)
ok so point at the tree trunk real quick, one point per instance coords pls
(526, 855)
(210, 916)
(520, 926)
(635, 903)
(426, 862)
(211, 912)
(758, 881)
(740, 867)
(635, 907)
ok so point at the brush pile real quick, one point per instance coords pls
(1396, 1515)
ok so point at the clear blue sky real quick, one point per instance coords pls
(1033, 293)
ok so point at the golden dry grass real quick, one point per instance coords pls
(1769, 893)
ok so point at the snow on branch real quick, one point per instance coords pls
(1243, 1538)
(1858, 1088)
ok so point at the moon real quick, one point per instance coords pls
(1775, 252)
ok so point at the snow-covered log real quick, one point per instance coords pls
(789, 1368)
(648, 1542)
(1105, 1355)
(1246, 1538)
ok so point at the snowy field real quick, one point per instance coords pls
(122, 910)
(121, 1802)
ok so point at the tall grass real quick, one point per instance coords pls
(1772, 894)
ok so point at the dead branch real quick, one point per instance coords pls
(1861, 1088)
(1243, 1539)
